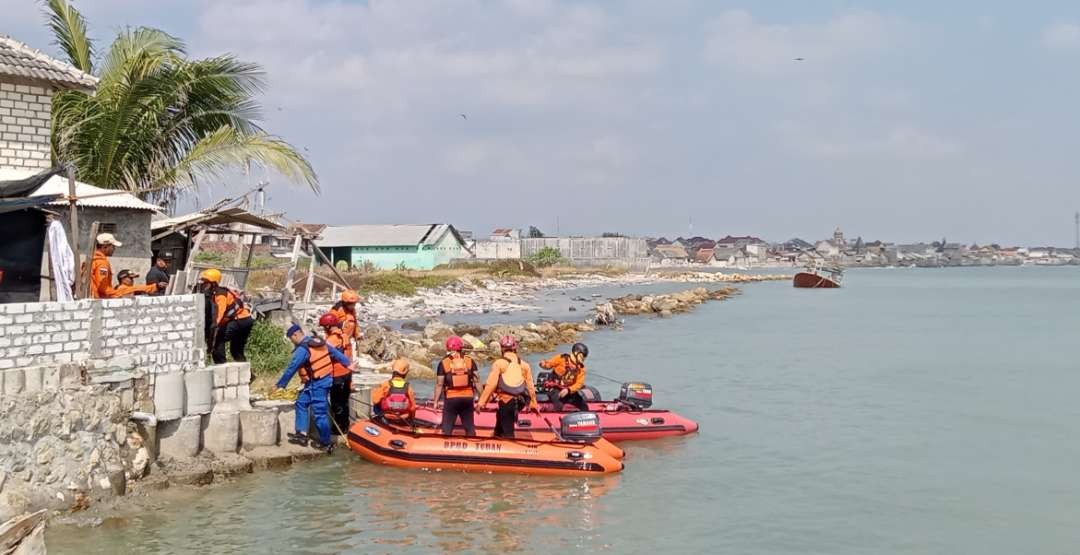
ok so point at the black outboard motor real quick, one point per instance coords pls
(636, 394)
(580, 427)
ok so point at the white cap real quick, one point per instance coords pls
(108, 239)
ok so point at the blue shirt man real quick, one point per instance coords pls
(313, 358)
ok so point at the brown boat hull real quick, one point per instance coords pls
(807, 280)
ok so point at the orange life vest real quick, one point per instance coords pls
(570, 373)
(338, 341)
(396, 400)
(319, 364)
(458, 374)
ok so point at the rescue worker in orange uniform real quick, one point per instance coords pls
(314, 360)
(568, 373)
(342, 387)
(456, 378)
(101, 273)
(394, 398)
(126, 278)
(345, 310)
(510, 381)
(228, 319)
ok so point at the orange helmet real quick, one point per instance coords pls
(400, 366)
(350, 296)
(211, 274)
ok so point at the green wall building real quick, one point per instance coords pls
(387, 247)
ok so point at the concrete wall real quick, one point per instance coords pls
(25, 114)
(498, 250)
(156, 334)
(132, 229)
(598, 250)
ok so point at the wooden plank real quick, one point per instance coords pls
(82, 288)
(73, 215)
(322, 257)
(309, 286)
(286, 292)
(175, 283)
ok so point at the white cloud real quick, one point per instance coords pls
(737, 41)
(1061, 36)
(897, 142)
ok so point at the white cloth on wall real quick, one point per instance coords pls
(63, 262)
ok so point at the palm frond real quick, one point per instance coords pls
(69, 33)
(224, 149)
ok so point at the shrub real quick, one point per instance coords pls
(547, 256)
(267, 349)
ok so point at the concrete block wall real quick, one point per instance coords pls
(152, 334)
(25, 114)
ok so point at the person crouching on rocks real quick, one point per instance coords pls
(314, 360)
(394, 398)
(510, 381)
(568, 373)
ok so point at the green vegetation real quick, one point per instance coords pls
(547, 256)
(397, 283)
(267, 349)
(158, 118)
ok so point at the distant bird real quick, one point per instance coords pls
(800, 59)
(463, 117)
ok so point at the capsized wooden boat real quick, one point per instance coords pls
(817, 277)
(381, 443)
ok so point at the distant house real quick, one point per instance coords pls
(505, 234)
(670, 255)
(386, 247)
(731, 257)
(741, 241)
(704, 256)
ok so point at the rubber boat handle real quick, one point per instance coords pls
(524, 423)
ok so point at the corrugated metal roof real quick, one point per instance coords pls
(219, 217)
(58, 185)
(19, 60)
(381, 235)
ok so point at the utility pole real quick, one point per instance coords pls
(1077, 219)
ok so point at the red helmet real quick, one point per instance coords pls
(454, 343)
(508, 343)
(329, 320)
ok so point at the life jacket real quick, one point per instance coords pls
(338, 341)
(514, 368)
(319, 364)
(235, 308)
(571, 373)
(396, 400)
(457, 372)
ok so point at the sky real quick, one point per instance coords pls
(901, 121)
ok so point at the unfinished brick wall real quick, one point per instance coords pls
(154, 334)
(25, 114)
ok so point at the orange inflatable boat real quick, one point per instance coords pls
(426, 427)
(382, 443)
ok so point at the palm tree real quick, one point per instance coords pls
(159, 122)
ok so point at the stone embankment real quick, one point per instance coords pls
(423, 345)
(473, 296)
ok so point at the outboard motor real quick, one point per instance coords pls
(581, 427)
(636, 394)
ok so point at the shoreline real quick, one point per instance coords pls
(208, 469)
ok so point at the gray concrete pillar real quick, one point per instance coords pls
(221, 430)
(180, 438)
(169, 393)
(258, 428)
(199, 387)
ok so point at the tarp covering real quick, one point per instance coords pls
(17, 188)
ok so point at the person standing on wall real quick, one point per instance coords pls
(230, 321)
(342, 386)
(159, 272)
(101, 272)
(345, 310)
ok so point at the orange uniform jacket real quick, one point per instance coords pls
(562, 366)
(336, 340)
(222, 299)
(383, 390)
(491, 386)
(350, 329)
(101, 281)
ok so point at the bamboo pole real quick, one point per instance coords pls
(73, 215)
(310, 276)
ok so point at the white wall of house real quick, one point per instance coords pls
(498, 250)
(25, 115)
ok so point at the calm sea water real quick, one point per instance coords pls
(914, 411)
